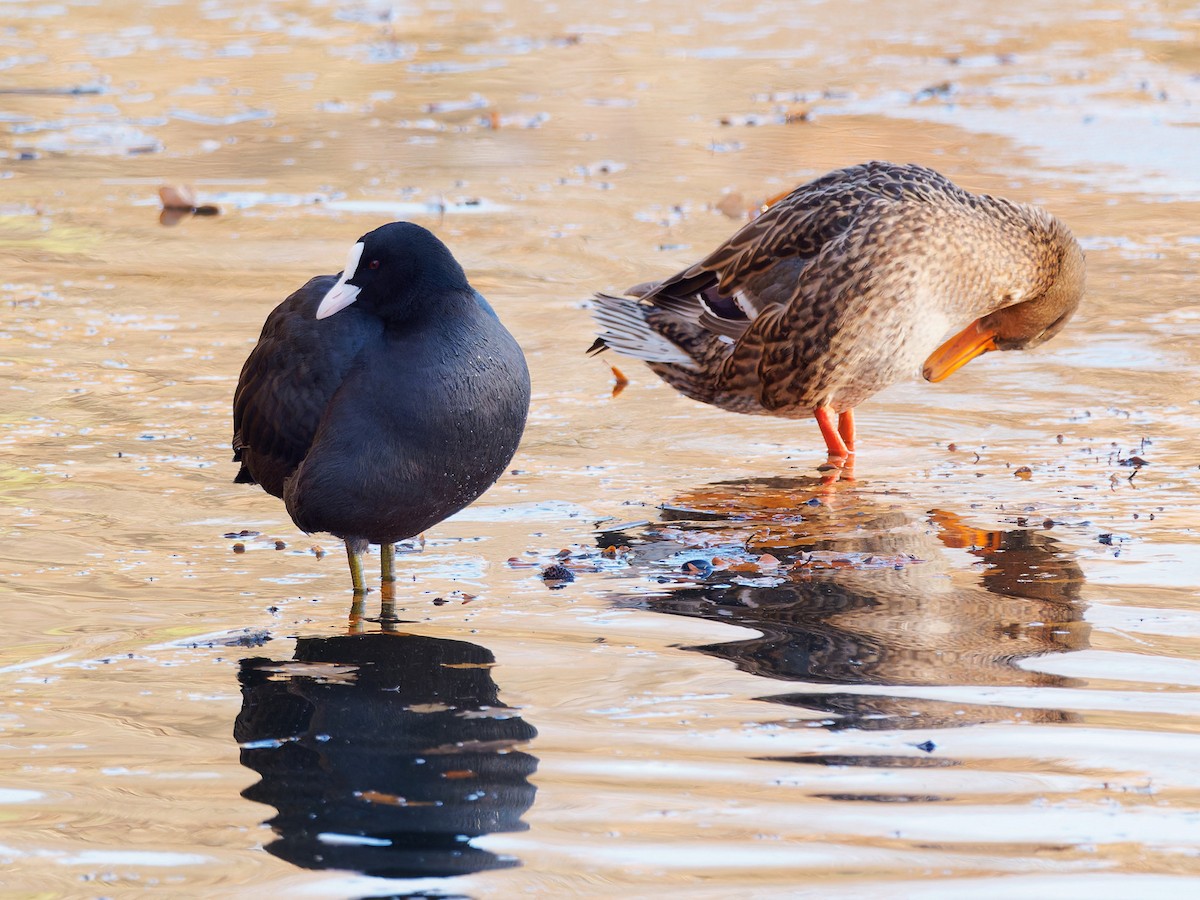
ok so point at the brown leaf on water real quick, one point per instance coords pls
(1024, 473)
(179, 202)
(732, 205)
(177, 196)
(769, 561)
(172, 217)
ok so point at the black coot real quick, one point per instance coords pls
(382, 420)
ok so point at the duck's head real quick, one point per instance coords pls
(393, 270)
(1022, 324)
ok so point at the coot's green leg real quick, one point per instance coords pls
(387, 562)
(354, 555)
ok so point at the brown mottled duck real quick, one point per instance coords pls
(846, 285)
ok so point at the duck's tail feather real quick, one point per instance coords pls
(625, 328)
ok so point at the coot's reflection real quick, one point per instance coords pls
(868, 596)
(384, 754)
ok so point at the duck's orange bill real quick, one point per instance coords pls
(972, 341)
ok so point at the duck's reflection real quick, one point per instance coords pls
(865, 594)
(384, 754)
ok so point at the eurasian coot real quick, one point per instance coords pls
(380, 401)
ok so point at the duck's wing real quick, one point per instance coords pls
(763, 265)
(287, 383)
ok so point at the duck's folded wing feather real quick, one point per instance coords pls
(757, 269)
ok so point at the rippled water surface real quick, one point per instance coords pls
(937, 677)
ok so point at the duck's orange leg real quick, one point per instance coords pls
(846, 428)
(829, 430)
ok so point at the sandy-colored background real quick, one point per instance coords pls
(758, 733)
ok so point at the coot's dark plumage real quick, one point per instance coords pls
(382, 420)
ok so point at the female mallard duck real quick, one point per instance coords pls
(846, 285)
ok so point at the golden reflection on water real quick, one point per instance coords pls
(985, 677)
(867, 599)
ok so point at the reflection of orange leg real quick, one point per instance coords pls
(833, 441)
(846, 428)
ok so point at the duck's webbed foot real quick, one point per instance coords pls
(839, 435)
(839, 442)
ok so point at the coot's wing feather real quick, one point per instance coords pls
(288, 381)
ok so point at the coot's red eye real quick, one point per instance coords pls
(373, 264)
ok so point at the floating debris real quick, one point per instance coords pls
(179, 202)
(557, 576)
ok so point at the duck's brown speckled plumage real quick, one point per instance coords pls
(845, 286)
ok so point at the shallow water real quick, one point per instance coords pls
(935, 678)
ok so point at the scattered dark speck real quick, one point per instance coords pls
(1105, 538)
(558, 573)
(927, 746)
(241, 639)
(812, 501)
(239, 547)
(280, 545)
